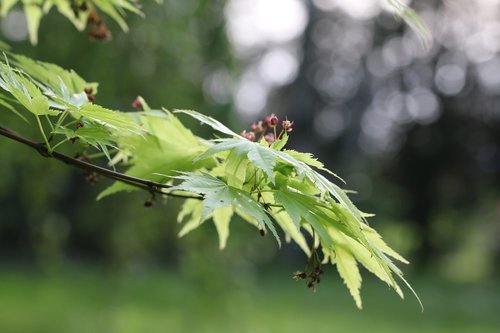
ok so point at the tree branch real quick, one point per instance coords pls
(148, 185)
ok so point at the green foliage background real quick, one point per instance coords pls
(50, 219)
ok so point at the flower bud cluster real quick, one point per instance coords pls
(248, 135)
(287, 125)
(267, 129)
(313, 277)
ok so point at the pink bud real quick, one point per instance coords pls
(248, 135)
(267, 121)
(136, 104)
(287, 125)
(274, 120)
(269, 138)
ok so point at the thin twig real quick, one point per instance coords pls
(148, 185)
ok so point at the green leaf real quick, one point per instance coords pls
(35, 9)
(413, 20)
(265, 159)
(348, 270)
(167, 147)
(236, 169)
(325, 186)
(94, 134)
(373, 262)
(262, 157)
(215, 124)
(6, 6)
(65, 7)
(222, 218)
(114, 8)
(33, 16)
(302, 207)
(218, 194)
(302, 169)
(288, 226)
(24, 91)
(281, 143)
(191, 209)
(117, 121)
(40, 106)
(51, 75)
(377, 240)
(309, 159)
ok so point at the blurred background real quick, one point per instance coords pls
(415, 131)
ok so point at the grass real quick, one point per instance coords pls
(91, 301)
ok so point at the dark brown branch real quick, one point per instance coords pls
(148, 185)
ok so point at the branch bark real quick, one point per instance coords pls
(148, 185)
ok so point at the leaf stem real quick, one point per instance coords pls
(313, 250)
(61, 118)
(40, 126)
(59, 143)
(281, 134)
(49, 122)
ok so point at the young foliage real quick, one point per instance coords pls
(298, 198)
(79, 12)
(60, 103)
(217, 194)
(84, 13)
(250, 174)
(413, 20)
(165, 148)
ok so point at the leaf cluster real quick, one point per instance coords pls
(78, 12)
(58, 101)
(271, 187)
(275, 189)
(81, 13)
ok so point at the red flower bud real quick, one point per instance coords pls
(91, 98)
(249, 136)
(271, 120)
(269, 138)
(257, 127)
(287, 125)
(267, 121)
(274, 120)
(136, 104)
